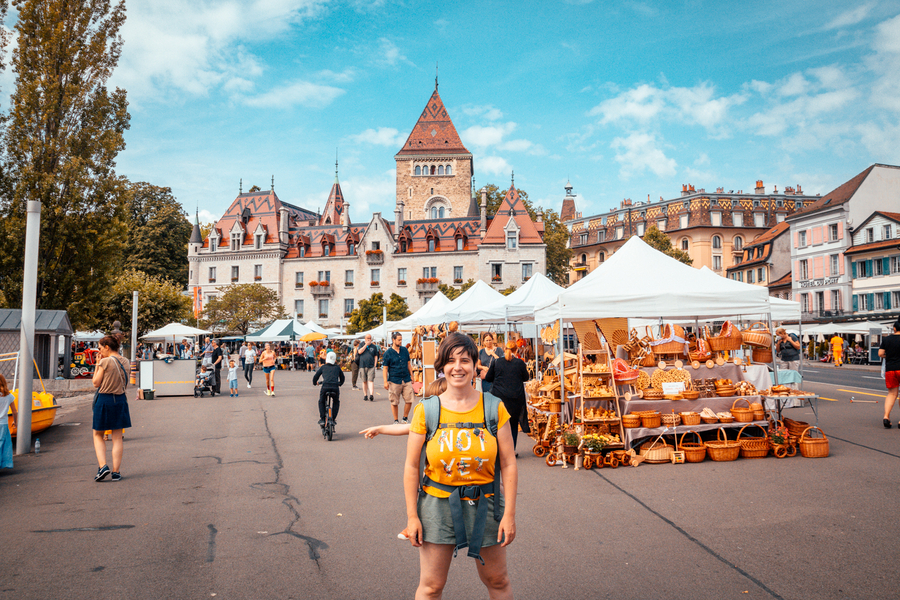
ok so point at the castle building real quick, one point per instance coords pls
(322, 265)
(712, 228)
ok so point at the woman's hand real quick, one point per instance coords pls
(507, 528)
(414, 530)
(371, 432)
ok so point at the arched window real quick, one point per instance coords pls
(418, 170)
(441, 170)
(448, 170)
(432, 169)
(684, 244)
(326, 250)
(600, 257)
(584, 259)
(717, 242)
(441, 212)
(738, 242)
(403, 246)
(434, 212)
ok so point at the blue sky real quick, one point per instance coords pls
(626, 99)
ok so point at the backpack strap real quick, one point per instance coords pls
(491, 420)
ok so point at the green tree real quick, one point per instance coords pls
(453, 292)
(659, 240)
(368, 314)
(205, 230)
(508, 290)
(158, 233)
(160, 302)
(397, 308)
(64, 131)
(242, 307)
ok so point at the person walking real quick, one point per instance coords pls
(486, 356)
(110, 406)
(207, 353)
(787, 346)
(6, 447)
(354, 364)
(890, 352)
(249, 363)
(241, 353)
(457, 505)
(368, 358)
(218, 359)
(310, 356)
(507, 377)
(837, 350)
(267, 358)
(397, 376)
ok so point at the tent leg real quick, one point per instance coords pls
(774, 367)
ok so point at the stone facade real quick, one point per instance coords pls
(424, 192)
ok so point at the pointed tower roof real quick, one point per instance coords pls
(334, 208)
(473, 204)
(434, 132)
(196, 236)
(512, 209)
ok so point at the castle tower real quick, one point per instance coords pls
(568, 206)
(434, 168)
(334, 208)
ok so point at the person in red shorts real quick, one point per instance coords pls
(890, 352)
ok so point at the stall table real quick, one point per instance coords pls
(638, 433)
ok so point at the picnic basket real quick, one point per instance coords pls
(741, 414)
(670, 347)
(728, 339)
(657, 451)
(693, 452)
(723, 450)
(757, 336)
(811, 447)
(754, 447)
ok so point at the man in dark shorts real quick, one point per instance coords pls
(368, 358)
(397, 376)
(890, 352)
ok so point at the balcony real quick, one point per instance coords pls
(374, 257)
(322, 289)
(427, 285)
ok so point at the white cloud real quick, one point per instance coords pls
(640, 104)
(383, 136)
(487, 111)
(206, 216)
(703, 159)
(370, 194)
(516, 145)
(494, 165)
(483, 136)
(795, 85)
(388, 54)
(304, 93)
(850, 17)
(638, 153)
(885, 63)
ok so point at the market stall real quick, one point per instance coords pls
(169, 376)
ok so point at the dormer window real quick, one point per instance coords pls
(403, 246)
(326, 250)
(512, 240)
(213, 242)
(460, 243)
(258, 241)
(351, 248)
(432, 245)
(235, 242)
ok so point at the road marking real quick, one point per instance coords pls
(867, 377)
(862, 393)
(810, 371)
(829, 399)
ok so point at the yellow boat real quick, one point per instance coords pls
(43, 412)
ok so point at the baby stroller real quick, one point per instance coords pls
(205, 383)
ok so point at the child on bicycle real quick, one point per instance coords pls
(332, 379)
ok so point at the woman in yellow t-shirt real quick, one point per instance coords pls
(837, 350)
(458, 456)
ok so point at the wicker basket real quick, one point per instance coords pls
(671, 420)
(741, 414)
(623, 372)
(673, 347)
(651, 420)
(656, 451)
(701, 351)
(757, 336)
(690, 418)
(723, 450)
(653, 394)
(710, 420)
(795, 428)
(693, 452)
(762, 355)
(729, 339)
(726, 419)
(754, 447)
(690, 394)
(759, 412)
(631, 421)
(813, 447)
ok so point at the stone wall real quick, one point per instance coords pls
(415, 191)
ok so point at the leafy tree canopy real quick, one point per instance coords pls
(455, 292)
(160, 302)
(659, 240)
(508, 290)
(158, 233)
(241, 308)
(397, 308)
(205, 230)
(370, 313)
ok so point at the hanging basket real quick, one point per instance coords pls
(754, 447)
(757, 335)
(762, 355)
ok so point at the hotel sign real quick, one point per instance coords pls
(819, 282)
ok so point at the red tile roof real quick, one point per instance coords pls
(884, 244)
(528, 233)
(334, 207)
(768, 236)
(263, 208)
(783, 281)
(434, 132)
(837, 196)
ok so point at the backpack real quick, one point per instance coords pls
(491, 406)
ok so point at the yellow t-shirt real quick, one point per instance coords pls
(459, 456)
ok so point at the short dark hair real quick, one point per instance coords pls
(110, 341)
(396, 335)
(897, 325)
(448, 347)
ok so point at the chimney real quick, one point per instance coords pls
(283, 225)
(345, 216)
(483, 212)
(760, 188)
(540, 215)
(398, 218)
(684, 190)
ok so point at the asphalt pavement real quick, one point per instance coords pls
(242, 498)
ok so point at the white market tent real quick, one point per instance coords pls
(315, 327)
(639, 281)
(281, 330)
(86, 336)
(173, 330)
(861, 328)
(518, 306)
(473, 299)
(382, 332)
(433, 312)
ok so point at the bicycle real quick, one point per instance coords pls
(328, 427)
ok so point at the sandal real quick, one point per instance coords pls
(887, 423)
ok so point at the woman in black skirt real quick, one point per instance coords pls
(507, 376)
(110, 406)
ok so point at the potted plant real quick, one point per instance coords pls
(431, 280)
(457, 281)
(313, 283)
(376, 283)
(593, 443)
(570, 442)
(323, 315)
(348, 284)
(401, 282)
(496, 279)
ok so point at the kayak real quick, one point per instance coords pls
(43, 412)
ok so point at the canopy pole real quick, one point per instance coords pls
(562, 371)
(26, 333)
(800, 335)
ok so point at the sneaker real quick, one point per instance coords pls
(116, 476)
(405, 421)
(321, 422)
(356, 389)
(396, 422)
(248, 386)
(102, 472)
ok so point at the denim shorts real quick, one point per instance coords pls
(437, 522)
